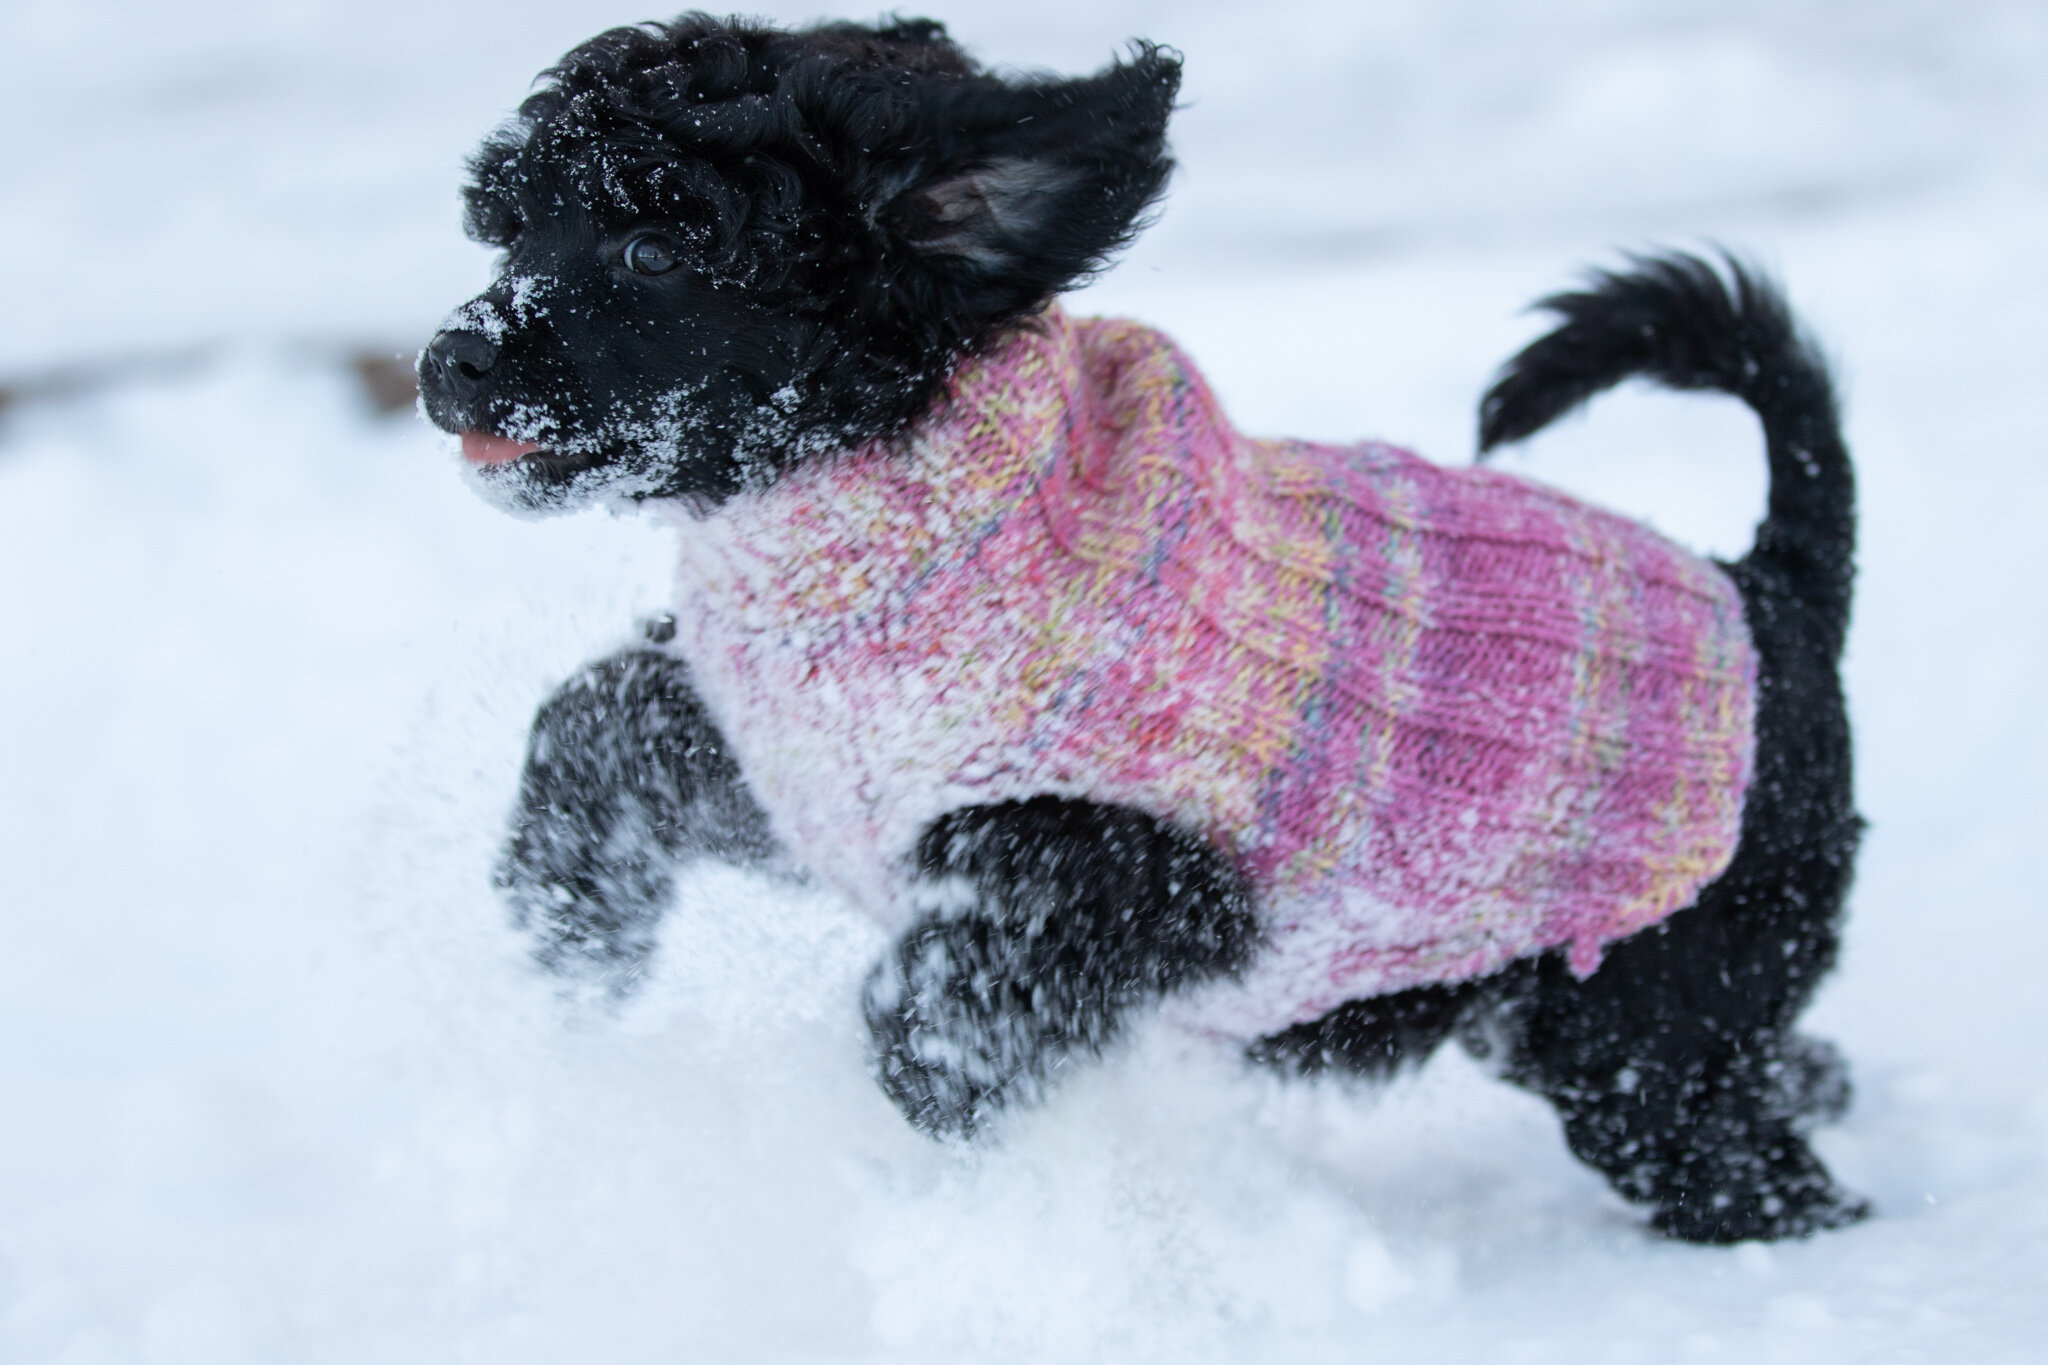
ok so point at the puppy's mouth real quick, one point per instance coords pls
(482, 448)
(488, 452)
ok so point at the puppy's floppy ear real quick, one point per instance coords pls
(1024, 189)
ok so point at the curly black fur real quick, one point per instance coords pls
(729, 248)
(852, 210)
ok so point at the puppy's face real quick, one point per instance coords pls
(610, 356)
(726, 248)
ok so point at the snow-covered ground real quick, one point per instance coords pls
(277, 1084)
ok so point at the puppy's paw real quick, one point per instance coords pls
(932, 1089)
(1765, 1197)
(949, 1041)
(589, 930)
(1768, 1218)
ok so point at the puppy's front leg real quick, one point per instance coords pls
(1047, 922)
(625, 778)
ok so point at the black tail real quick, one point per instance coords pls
(1675, 319)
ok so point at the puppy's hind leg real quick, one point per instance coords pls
(1050, 920)
(626, 777)
(1675, 1067)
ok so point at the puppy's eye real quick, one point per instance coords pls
(650, 254)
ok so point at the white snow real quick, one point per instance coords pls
(277, 1083)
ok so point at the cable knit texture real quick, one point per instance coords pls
(1441, 718)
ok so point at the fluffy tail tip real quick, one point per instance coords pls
(1678, 318)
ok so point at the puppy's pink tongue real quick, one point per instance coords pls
(481, 448)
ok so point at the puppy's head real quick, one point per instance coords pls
(727, 247)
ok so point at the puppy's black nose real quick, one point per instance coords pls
(460, 360)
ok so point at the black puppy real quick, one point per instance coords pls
(730, 250)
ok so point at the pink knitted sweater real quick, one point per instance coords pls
(1441, 718)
